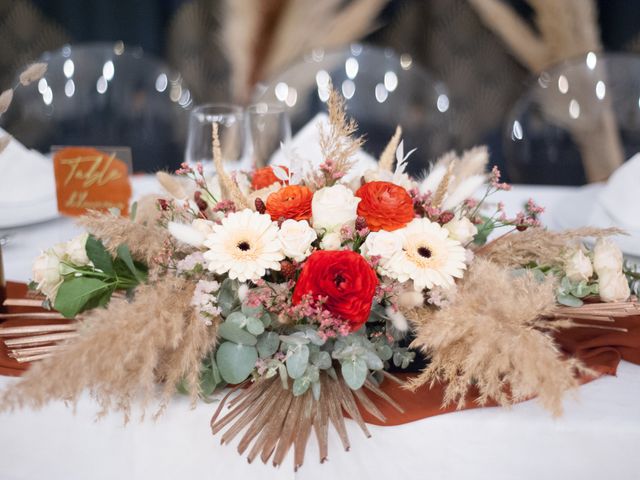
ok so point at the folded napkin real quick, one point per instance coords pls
(25, 175)
(306, 146)
(619, 197)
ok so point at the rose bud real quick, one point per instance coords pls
(260, 206)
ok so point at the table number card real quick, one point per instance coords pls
(92, 178)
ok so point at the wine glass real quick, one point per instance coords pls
(269, 127)
(230, 128)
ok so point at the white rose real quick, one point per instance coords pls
(331, 241)
(613, 286)
(381, 244)
(607, 257)
(333, 207)
(461, 229)
(76, 250)
(296, 238)
(46, 273)
(578, 267)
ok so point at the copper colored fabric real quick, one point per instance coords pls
(601, 350)
(8, 366)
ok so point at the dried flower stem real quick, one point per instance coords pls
(388, 156)
(226, 182)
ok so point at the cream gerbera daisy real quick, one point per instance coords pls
(428, 256)
(245, 245)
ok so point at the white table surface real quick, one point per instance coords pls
(597, 437)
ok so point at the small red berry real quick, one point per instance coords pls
(260, 206)
(361, 223)
(288, 269)
(521, 228)
(445, 217)
(164, 205)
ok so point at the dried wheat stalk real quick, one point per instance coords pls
(495, 336)
(121, 352)
(228, 186)
(388, 156)
(538, 245)
(339, 144)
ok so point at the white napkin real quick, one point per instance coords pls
(620, 195)
(25, 175)
(306, 144)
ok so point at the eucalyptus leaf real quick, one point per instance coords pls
(581, 290)
(268, 344)
(322, 360)
(237, 318)
(235, 362)
(373, 361)
(300, 385)
(569, 300)
(228, 296)
(354, 372)
(99, 255)
(384, 351)
(315, 390)
(297, 361)
(254, 326)
(252, 311)
(266, 319)
(295, 339)
(230, 331)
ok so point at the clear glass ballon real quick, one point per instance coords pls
(104, 94)
(269, 127)
(580, 112)
(382, 89)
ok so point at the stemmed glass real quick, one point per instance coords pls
(231, 130)
(269, 127)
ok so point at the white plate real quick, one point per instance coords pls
(20, 214)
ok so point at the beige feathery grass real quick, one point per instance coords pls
(122, 352)
(171, 185)
(443, 186)
(6, 98)
(262, 37)
(538, 245)
(388, 156)
(5, 140)
(340, 142)
(145, 241)
(494, 337)
(32, 73)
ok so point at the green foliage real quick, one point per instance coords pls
(91, 286)
(235, 362)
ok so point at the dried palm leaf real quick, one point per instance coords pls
(275, 420)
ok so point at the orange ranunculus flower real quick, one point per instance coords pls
(385, 206)
(264, 177)
(293, 201)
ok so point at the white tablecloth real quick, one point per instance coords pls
(597, 437)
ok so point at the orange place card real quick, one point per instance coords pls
(89, 178)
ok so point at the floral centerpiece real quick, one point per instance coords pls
(301, 287)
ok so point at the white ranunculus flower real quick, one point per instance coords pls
(333, 207)
(607, 257)
(613, 286)
(296, 238)
(461, 229)
(381, 244)
(46, 273)
(578, 267)
(76, 250)
(331, 241)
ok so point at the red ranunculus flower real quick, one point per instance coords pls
(345, 278)
(385, 206)
(263, 177)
